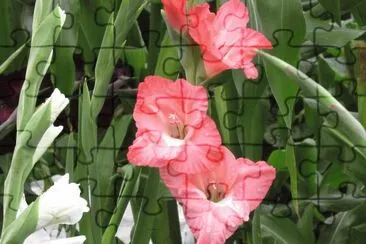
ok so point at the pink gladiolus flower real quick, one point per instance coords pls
(176, 13)
(224, 39)
(173, 127)
(217, 202)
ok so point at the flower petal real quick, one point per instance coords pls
(232, 15)
(202, 151)
(253, 182)
(225, 41)
(154, 149)
(158, 98)
(61, 204)
(215, 221)
(176, 13)
(201, 21)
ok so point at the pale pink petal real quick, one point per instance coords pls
(155, 149)
(215, 221)
(193, 98)
(254, 39)
(201, 21)
(225, 174)
(213, 65)
(203, 149)
(158, 98)
(232, 15)
(179, 186)
(250, 71)
(224, 40)
(173, 125)
(254, 181)
(176, 13)
(244, 184)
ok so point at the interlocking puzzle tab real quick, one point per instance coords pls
(250, 116)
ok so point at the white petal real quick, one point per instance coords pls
(61, 204)
(70, 240)
(58, 103)
(48, 137)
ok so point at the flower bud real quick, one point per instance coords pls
(61, 204)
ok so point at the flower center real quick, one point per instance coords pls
(176, 128)
(215, 192)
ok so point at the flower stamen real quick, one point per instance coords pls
(216, 191)
(176, 128)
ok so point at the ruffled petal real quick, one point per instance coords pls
(201, 22)
(176, 13)
(253, 183)
(154, 149)
(225, 41)
(203, 149)
(214, 221)
(254, 39)
(232, 15)
(158, 98)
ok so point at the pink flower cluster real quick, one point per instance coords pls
(175, 134)
(224, 39)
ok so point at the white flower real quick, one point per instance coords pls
(42, 236)
(46, 140)
(61, 204)
(58, 103)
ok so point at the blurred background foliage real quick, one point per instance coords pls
(307, 120)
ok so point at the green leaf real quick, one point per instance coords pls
(92, 28)
(168, 65)
(338, 229)
(110, 49)
(278, 159)
(6, 64)
(282, 229)
(226, 103)
(361, 82)
(286, 32)
(256, 227)
(251, 115)
(291, 166)
(105, 161)
(338, 66)
(22, 227)
(38, 63)
(9, 24)
(87, 140)
(155, 24)
(63, 67)
(107, 153)
(42, 9)
(130, 179)
(334, 7)
(70, 155)
(145, 221)
(324, 33)
(305, 224)
(37, 136)
(167, 229)
(341, 123)
(358, 13)
(306, 153)
(104, 67)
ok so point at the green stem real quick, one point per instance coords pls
(361, 83)
(148, 209)
(154, 40)
(124, 197)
